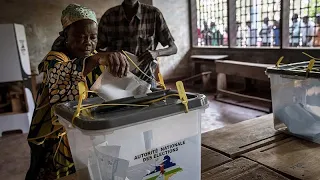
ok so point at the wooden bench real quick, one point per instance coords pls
(243, 69)
(197, 74)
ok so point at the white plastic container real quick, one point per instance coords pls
(157, 142)
(296, 99)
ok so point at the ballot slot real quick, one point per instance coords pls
(143, 100)
(114, 110)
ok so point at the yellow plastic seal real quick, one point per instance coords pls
(279, 61)
(311, 64)
(182, 94)
(161, 81)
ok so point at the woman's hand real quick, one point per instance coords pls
(115, 61)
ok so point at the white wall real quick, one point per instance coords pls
(176, 14)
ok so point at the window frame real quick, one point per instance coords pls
(232, 33)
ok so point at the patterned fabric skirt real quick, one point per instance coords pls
(50, 160)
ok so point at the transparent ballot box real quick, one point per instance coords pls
(295, 90)
(122, 142)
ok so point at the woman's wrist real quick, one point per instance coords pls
(90, 63)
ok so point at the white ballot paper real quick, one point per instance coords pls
(109, 87)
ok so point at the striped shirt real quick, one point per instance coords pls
(146, 29)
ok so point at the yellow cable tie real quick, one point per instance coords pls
(55, 153)
(136, 66)
(92, 92)
(310, 66)
(182, 94)
(310, 56)
(82, 95)
(161, 81)
(97, 105)
(279, 61)
(160, 99)
(62, 134)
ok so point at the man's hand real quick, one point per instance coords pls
(116, 62)
(148, 56)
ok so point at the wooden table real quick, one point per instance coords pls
(293, 156)
(199, 60)
(242, 169)
(198, 75)
(211, 159)
(236, 139)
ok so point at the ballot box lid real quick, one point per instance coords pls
(116, 116)
(299, 69)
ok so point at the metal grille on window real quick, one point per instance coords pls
(258, 23)
(304, 23)
(212, 21)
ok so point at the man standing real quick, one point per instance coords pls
(251, 37)
(307, 32)
(136, 28)
(295, 31)
(216, 35)
(276, 33)
(239, 35)
(265, 33)
(207, 34)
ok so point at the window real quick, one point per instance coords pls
(304, 23)
(212, 21)
(258, 23)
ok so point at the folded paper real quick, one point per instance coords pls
(109, 87)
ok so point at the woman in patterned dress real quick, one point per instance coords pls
(72, 60)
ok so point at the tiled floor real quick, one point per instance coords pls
(14, 150)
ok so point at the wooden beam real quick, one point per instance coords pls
(193, 22)
(230, 93)
(232, 23)
(285, 18)
(197, 76)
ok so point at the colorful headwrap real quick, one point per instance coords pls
(75, 12)
(72, 13)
